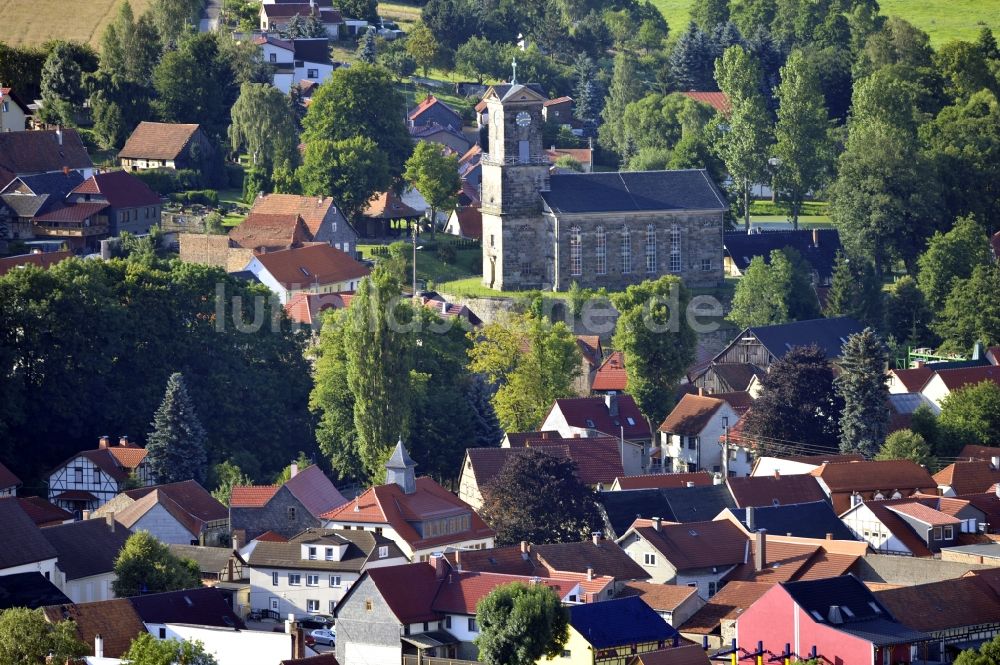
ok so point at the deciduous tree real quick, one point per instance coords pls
(263, 124)
(424, 47)
(520, 624)
(971, 314)
(950, 257)
(435, 175)
(907, 317)
(145, 565)
(175, 449)
(969, 415)
(350, 170)
(26, 638)
(906, 444)
(864, 420)
(147, 650)
(773, 292)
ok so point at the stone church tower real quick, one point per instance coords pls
(515, 172)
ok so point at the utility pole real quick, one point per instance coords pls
(416, 226)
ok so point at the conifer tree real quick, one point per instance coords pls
(854, 291)
(367, 53)
(864, 421)
(176, 446)
(690, 62)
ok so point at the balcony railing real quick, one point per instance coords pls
(488, 158)
(431, 660)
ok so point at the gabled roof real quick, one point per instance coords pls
(312, 49)
(45, 260)
(7, 477)
(606, 558)
(210, 560)
(662, 480)
(944, 605)
(158, 140)
(312, 265)
(874, 475)
(288, 555)
(73, 212)
(597, 460)
(698, 544)
(898, 526)
(633, 191)
(190, 503)
(389, 205)
(915, 378)
(737, 375)
(23, 153)
(814, 519)
(29, 590)
(432, 102)
(828, 334)
(206, 606)
(691, 415)
(717, 100)
(315, 491)
(23, 541)
(460, 591)
(925, 514)
(270, 231)
(8, 93)
(116, 621)
(31, 195)
(590, 347)
(43, 513)
(121, 189)
(786, 561)
(620, 622)
(510, 91)
(818, 247)
(592, 413)
(775, 490)
(681, 504)
(470, 221)
(611, 374)
(308, 308)
(728, 604)
(956, 379)
(252, 496)
(972, 451)
(312, 209)
(583, 155)
(970, 477)
(660, 597)
(86, 548)
(558, 100)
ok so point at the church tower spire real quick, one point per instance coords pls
(401, 469)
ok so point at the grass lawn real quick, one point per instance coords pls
(781, 221)
(36, 21)
(430, 268)
(677, 13)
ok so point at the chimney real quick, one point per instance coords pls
(656, 523)
(110, 519)
(751, 518)
(590, 573)
(815, 237)
(440, 565)
(86, 514)
(98, 646)
(919, 364)
(689, 483)
(829, 536)
(236, 541)
(290, 624)
(102, 443)
(123, 440)
(717, 479)
(777, 474)
(835, 615)
(977, 351)
(59, 134)
(596, 537)
(294, 470)
(611, 401)
(760, 553)
(701, 391)
(525, 550)
(458, 560)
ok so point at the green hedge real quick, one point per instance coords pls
(206, 197)
(168, 181)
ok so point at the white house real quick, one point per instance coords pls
(275, 16)
(693, 435)
(13, 112)
(86, 552)
(90, 478)
(314, 268)
(905, 527)
(295, 60)
(608, 415)
(310, 573)
(946, 381)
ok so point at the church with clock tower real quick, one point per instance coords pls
(545, 230)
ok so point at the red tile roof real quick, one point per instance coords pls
(312, 265)
(271, 537)
(308, 308)
(717, 100)
(660, 597)
(787, 562)
(557, 100)
(698, 544)
(740, 402)
(968, 477)
(388, 504)
(972, 451)
(924, 514)
(955, 379)
(114, 620)
(470, 221)
(728, 604)
(875, 475)
(583, 155)
(116, 461)
(312, 209)
(388, 205)
(774, 491)
(42, 512)
(45, 260)
(597, 460)
(270, 231)
(592, 413)
(663, 480)
(898, 526)
(611, 374)
(158, 140)
(913, 379)
(691, 415)
(459, 592)
(74, 212)
(11, 95)
(119, 188)
(252, 496)
(7, 478)
(187, 501)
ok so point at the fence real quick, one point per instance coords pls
(429, 660)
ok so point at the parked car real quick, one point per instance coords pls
(324, 636)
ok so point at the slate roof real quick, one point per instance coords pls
(315, 49)
(264, 231)
(45, 260)
(698, 544)
(662, 480)
(24, 542)
(683, 504)
(592, 413)
(311, 265)
(944, 605)
(114, 620)
(119, 188)
(775, 491)
(86, 548)
(728, 604)
(968, 477)
(206, 606)
(23, 153)
(875, 475)
(48, 191)
(660, 597)
(288, 555)
(691, 415)
(624, 621)
(814, 519)
(210, 560)
(742, 247)
(315, 491)
(312, 209)
(633, 191)
(611, 374)
(7, 477)
(828, 334)
(42, 512)
(158, 140)
(29, 590)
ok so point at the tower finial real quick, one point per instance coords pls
(513, 64)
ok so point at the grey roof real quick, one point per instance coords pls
(400, 458)
(505, 90)
(991, 550)
(882, 632)
(805, 520)
(49, 189)
(315, 491)
(742, 247)
(209, 559)
(205, 606)
(86, 548)
(23, 541)
(828, 334)
(360, 544)
(908, 402)
(312, 50)
(633, 191)
(29, 590)
(677, 504)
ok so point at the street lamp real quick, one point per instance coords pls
(416, 227)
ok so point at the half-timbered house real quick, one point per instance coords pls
(90, 478)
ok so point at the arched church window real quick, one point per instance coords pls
(626, 251)
(575, 252)
(650, 248)
(602, 251)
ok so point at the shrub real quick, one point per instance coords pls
(206, 197)
(167, 181)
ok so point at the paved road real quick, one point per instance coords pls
(210, 16)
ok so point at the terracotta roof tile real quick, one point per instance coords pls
(925, 514)
(955, 379)
(114, 620)
(942, 605)
(717, 100)
(775, 491)
(611, 374)
(698, 544)
(312, 209)
(592, 413)
(271, 537)
(470, 221)
(558, 100)
(898, 526)
(913, 379)
(190, 496)
(972, 451)
(583, 155)
(661, 597)
(45, 260)
(505, 560)
(308, 308)
(388, 205)
(691, 415)
(875, 475)
(158, 140)
(728, 604)
(968, 477)
(740, 402)
(128, 457)
(270, 231)
(312, 265)
(119, 188)
(662, 480)
(26, 152)
(73, 212)
(252, 496)
(459, 592)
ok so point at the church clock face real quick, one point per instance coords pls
(523, 119)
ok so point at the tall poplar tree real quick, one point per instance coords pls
(176, 446)
(864, 421)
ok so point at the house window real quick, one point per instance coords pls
(333, 606)
(713, 587)
(383, 551)
(335, 580)
(274, 579)
(273, 57)
(329, 554)
(97, 477)
(368, 604)
(163, 633)
(949, 532)
(626, 251)
(575, 252)
(294, 579)
(447, 622)
(274, 603)
(312, 553)
(602, 251)
(312, 580)
(78, 472)
(313, 74)
(650, 248)
(937, 533)
(6, 107)
(290, 512)
(692, 442)
(473, 627)
(649, 559)
(675, 249)
(312, 605)
(706, 265)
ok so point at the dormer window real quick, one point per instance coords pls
(383, 552)
(312, 553)
(329, 554)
